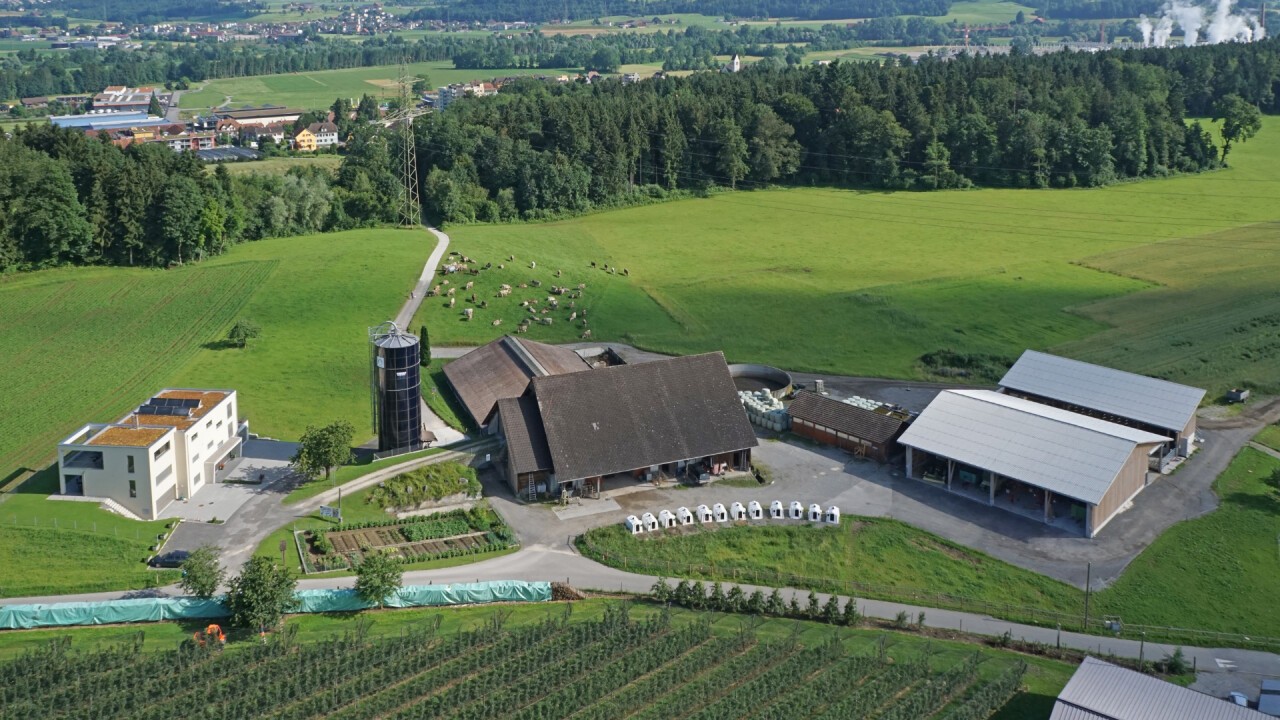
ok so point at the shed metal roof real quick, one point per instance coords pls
(1156, 402)
(502, 369)
(627, 417)
(522, 428)
(1269, 700)
(1071, 454)
(843, 417)
(1102, 691)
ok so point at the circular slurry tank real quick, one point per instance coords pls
(761, 377)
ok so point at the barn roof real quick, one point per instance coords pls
(503, 368)
(843, 417)
(1101, 691)
(1069, 453)
(1137, 397)
(522, 428)
(626, 417)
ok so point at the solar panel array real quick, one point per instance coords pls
(174, 402)
(158, 410)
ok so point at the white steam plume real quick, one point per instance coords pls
(1145, 26)
(1223, 24)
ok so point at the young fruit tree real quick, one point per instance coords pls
(243, 331)
(378, 577)
(201, 573)
(260, 595)
(322, 449)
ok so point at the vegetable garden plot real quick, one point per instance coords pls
(451, 534)
(610, 667)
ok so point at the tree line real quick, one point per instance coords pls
(1096, 9)
(540, 11)
(153, 11)
(66, 198)
(1058, 120)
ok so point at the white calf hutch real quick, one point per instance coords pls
(686, 517)
(833, 516)
(797, 510)
(704, 514)
(754, 511)
(815, 512)
(776, 511)
(737, 511)
(634, 526)
(666, 519)
(650, 522)
(721, 515)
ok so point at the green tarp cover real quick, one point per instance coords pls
(309, 601)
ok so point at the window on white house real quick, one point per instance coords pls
(131, 467)
(133, 488)
(160, 451)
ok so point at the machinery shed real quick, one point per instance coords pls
(1146, 403)
(1049, 464)
(865, 433)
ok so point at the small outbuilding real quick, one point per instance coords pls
(704, 514)
(650, 522)
(863, 432)
(755, 511)
(776, 511)
(832, 516)
(721, 515)
(634, 526)
(815, 512)
(796, 510)
(738, 511)
(666, 519)
(686, 517)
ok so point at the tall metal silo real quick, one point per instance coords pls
(395, 387)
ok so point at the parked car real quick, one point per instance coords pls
(1238, 698)
(171, 559)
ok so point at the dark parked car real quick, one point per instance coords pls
(171, 559)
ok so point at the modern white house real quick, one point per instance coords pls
(326, 134)
(168, 448)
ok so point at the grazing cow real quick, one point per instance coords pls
(451, 291)
(593, 263)
(533, 264)
(488, 266)
(626, 272)
(582, 286)
(557, 273)
(467, 313)
(524, 285)
(497, 322)
(452, 301)
(484, 304)
(470, 284)
(586, 334)
(573, 316)
(510, 258)
(501, 266)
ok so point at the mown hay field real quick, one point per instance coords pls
(1172, 277)
(318, 90)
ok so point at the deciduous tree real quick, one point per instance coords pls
(378, 577)
(260, 595)
(201, 572)
(322, 449)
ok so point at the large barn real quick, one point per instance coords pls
(1040, 461)
(1101, 691)
(672, 416)
(503, 369)
(865, 433)
(1150, 404)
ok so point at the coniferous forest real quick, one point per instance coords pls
(541, 149)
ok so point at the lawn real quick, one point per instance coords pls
(1269, 436)
(864, 283)
(316, 90)
(1044, 679)
(870, 551)
(441, 400)
(1216, 572)
(986, 12)
(364, 465)
(49, 547)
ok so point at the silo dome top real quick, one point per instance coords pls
(396, 340)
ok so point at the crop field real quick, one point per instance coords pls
(986, 12)
(865, 283)
(639, 665)
(315, 90)
(86, 345)
(282, 165)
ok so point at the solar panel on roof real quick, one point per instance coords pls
(152, 409)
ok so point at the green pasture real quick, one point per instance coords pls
(986, 12)
(282, 165)
(864, 283)
(1215, 572)
(314, 90)
(1044, 678)
(311, 365)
